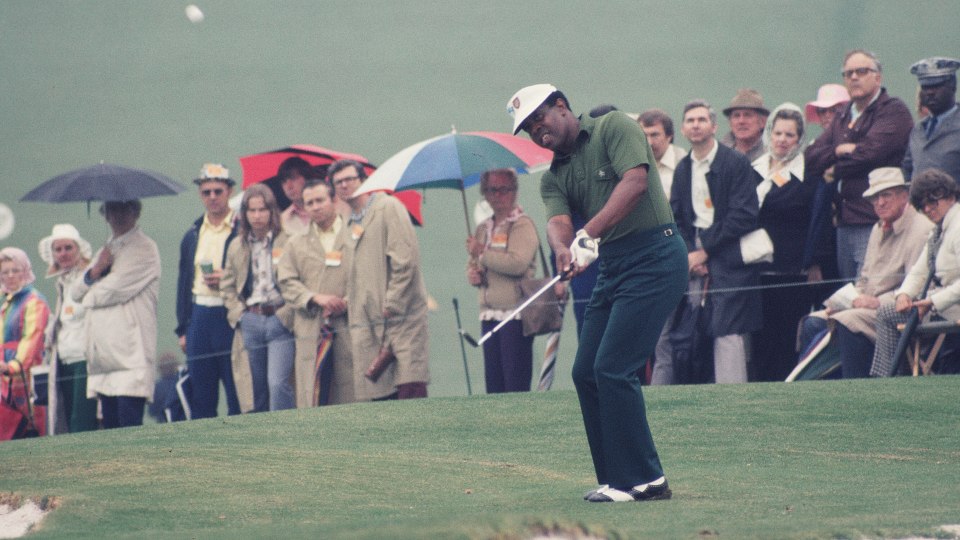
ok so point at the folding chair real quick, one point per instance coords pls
(940, 329)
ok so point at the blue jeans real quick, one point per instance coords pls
(270, 348)
(851, 249)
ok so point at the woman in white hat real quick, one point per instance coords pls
(67, 255)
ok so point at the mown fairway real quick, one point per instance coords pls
(807, 460)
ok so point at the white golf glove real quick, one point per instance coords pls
(584, 249)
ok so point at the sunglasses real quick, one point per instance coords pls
(861, 72)
(216, 192)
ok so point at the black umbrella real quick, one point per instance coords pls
(103, 182)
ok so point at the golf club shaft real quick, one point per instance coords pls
(549, 285)
(463, 350)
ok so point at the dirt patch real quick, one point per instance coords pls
(20, 515)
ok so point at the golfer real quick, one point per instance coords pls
(604, 169)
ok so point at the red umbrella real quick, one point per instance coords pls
(263, 168)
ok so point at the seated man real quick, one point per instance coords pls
(895, 243)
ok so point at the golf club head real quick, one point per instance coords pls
(469, 339)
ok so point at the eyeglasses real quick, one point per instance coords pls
(930, 200)
(343, 181)
(215, 192)
(498, 190)
(860, 71)
(885, 195)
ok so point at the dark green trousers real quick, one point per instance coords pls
(81, 413)
(642, 278)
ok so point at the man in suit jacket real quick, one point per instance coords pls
(935, 140)
(714, 200)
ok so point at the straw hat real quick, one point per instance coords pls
(214, 172)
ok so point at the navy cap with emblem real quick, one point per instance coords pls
(935, 71)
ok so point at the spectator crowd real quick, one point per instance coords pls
(789, 241)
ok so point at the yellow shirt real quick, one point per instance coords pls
(211, 243)
(329, 236)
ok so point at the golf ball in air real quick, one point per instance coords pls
(194, 14)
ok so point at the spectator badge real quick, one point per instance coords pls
(333, 258)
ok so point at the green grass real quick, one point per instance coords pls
(842, 459)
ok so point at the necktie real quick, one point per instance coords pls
(932, 248)
(931, 125)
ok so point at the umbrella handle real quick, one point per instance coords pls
(466, 214)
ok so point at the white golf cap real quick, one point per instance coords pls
(526, 100)
(884, 178)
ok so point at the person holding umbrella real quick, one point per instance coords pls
(502, 252)
(603, 169)
(119, 293)
(313, 275)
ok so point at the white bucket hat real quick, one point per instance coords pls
(884, 178)
(526, 100)
(63, 231)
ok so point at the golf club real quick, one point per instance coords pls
(477, 342)
(463, 351)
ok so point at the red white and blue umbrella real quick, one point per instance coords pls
(455, 160)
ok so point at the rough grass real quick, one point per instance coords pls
(841, 459)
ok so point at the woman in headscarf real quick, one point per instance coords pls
(24, 313)
(501, 254)
(785, 205)
(934, 193)
(67, 255)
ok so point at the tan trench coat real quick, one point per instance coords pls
(121, 320)
(386, 275)
(235, 274)
(303, 273)
(889, 256)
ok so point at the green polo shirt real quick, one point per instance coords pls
(582, 182)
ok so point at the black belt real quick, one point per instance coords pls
(262, 309)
